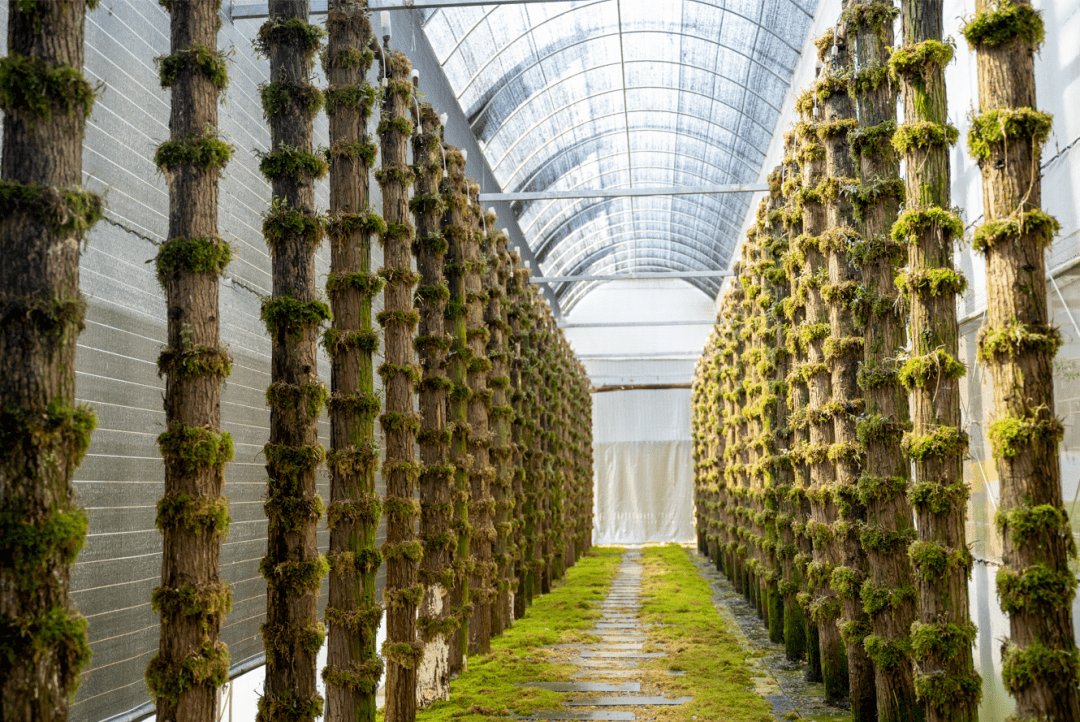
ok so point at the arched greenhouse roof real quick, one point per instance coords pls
(606, 94)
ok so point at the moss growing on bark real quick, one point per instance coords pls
(33, 87)
(199, 59)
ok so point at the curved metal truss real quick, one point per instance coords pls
(622, 94)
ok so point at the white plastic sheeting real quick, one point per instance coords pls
(643, 470)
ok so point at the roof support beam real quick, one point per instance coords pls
(626, 192)
(249, 11)
(633, 276)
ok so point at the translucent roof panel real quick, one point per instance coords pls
(604, 94)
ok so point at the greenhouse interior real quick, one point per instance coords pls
(540, 359)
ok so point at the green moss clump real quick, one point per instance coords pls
(886, 655)
(1036, 225)
(289, 514)
(283, 223)
(942, 441)
(280, 640)
(400, 125)
(192, 255)
(873, 140)
(1008, 21)
(61, 425)
(1015, 338)
(352, 151)
(367, 510)
(839, 348)
(937, 498)
(289, 315)
(1021, 667)
(395, 174)
(291, 162)
(289, 463)
(335, 341)
(1007, 125)
(944, 641)
(354, 461)
(194, 362)
(206, 153)
(409, 319)
(168, 679)
(919, 371)
(311, 397)
(286, 706)
(921, 59)
(197, 514)
(367, 285)
(367, 223)
(361, 98)
(189, 449)
(304, 37)
(943, 691)
(279, 96)
(58, 632)
(1035, 588)
(397, 421)
(933, 281)
(925, 134)
(931, 560)
(62, 211)
(1035, 523)
(362, 402)
(33, 87)
(30, 548)
(347, 58)
(911, 223)
(1013, 435)
(362, 678)
(209, 603)
(295, 578)
(200, 59)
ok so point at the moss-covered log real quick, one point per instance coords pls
(519, 432)
(945, 679)
(481, 505)
(44, 215)
(434, 620)
(888, 594)
(455, 231)
(400, 374)
(501, 415)
(193, 517)
(353, 668)
(292, 566)
(1040, 665)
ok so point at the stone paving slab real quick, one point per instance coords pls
(627, 701)
(622, 638)
(604, 654)
(616, 663)
(618, 647)
(585, 686)
(623, 673)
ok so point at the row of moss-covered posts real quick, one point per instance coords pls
(485, 414)
(828, 436)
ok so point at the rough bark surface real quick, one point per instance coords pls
(400, 373)
(522, 570)
(481, 506)
(434, 621)
(44, 217)
(945, 677)
(843, 352)
(889, 593)
(455, 230)
(825, 606)
(192, 599)
(293, 567)
(1040, 663)
(353, 668)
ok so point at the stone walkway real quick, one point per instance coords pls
(608, 668)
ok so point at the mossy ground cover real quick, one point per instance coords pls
(697, 641)
(529, 651)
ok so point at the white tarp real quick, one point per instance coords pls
(643, 472)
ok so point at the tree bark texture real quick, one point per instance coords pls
(1040, 663)
(481, 505)
(825, 607)
(353, 667)
(45, 215)
(193, 516)
(400, 374)
(519, 433)
(293, 567)
(888, 594)
(434, 620)
(501, 414)
(843, 352)
(455, 230)
(941, 638)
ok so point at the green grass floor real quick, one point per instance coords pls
(694, 636)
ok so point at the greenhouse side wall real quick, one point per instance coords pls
(1058, 60)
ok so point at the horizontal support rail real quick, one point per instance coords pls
(625, 192)
(250, 11)
(638, 387)
(635, 324)
(632, 276)
(635, 356)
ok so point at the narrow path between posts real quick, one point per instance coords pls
(627, 635)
